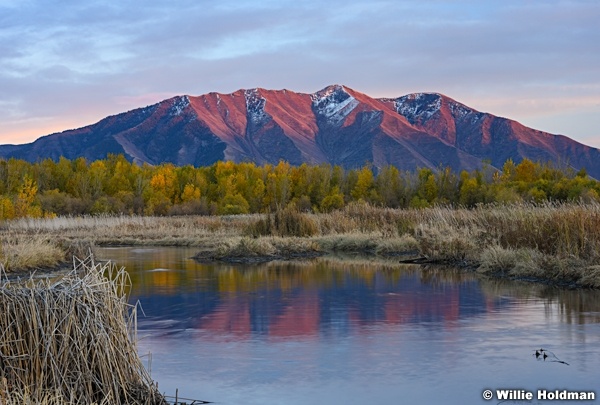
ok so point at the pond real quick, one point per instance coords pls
(339, 331)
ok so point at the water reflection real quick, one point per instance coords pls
(310, 298)
(577, 306)
(339, 331)
(303, 298)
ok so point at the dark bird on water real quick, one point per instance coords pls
(545, 354)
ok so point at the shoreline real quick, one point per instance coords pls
(549, 244)
(207, 257)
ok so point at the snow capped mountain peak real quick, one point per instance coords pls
(329, 90)
(334, 102)
(418, 106)
(255, 105)
(179, 104)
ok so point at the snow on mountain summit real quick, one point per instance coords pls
(334, 103)
(255, 105)
(179, 104)
(418, 106)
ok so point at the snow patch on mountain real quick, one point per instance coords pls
(334, 103)
(418, 106)
(148, 110)
(459, 111)
(255, 106)
(179, 105)
(477, 117)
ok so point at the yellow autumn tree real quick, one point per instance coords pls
(164, 180)
(7, 209)
(364, 184)
(277, 185)
(24, 202)
(526, 171)
(190, 193)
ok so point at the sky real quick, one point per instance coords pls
(67, 64)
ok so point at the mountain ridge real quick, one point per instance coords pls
(335, 125)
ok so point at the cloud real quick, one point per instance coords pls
(68, 61)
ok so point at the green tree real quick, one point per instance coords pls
(233, 204)
(470, 190)
(332, 201)
(390, 188)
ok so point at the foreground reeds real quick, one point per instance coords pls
(557, 243)
(71, 340)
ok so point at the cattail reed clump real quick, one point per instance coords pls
(72, 340)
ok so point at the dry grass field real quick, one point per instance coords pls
(558, 243)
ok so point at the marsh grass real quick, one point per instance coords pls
(245, 247)
(284, 222)
(140, 230)
(548, 241)
(260, 248)
(71, 340)
(28, 252)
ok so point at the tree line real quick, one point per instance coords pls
(115, 185)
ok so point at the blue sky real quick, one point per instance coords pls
(66, 64)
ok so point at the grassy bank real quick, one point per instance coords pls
(558, 243)
(71, 341)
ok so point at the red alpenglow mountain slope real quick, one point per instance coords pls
(336, 125)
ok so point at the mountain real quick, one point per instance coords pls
(492, 138)
(336, 125)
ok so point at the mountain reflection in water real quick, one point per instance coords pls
(320, 296)
(353, 331)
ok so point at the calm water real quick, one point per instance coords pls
(341, 332)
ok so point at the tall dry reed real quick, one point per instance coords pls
(72, 340)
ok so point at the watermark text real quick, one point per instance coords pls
(541, 395)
